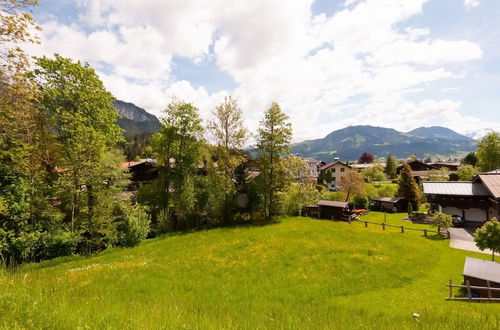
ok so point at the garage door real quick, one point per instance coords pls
(475, 215)
(452, 211)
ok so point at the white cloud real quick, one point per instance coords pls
(471, 3)
(362, 62)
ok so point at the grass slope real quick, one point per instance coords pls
(297, 274)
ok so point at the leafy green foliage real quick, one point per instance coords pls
(441, 220)
(488, 152)
(466, 172)
(375, 173)
(488, 237)
(274, 136)
(470, 159)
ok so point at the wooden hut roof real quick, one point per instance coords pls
(333, 204)
(482, 269)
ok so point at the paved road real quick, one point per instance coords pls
(462, 239)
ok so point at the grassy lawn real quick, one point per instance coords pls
(394, 219)
(297, 274)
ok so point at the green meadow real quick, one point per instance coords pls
(296, 274)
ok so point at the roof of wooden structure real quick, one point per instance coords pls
(455, 188)
(482, 269)
(333, 204)
(492, 183)
(386, 199)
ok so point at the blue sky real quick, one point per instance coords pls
(329, 64)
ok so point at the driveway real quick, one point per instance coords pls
(462, 239)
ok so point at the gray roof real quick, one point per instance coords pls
(455, 188)
(492, 183)
(482, 269)
(333, 204)
(386, 199)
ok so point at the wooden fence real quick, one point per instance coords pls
(489, 289)
(402, 228)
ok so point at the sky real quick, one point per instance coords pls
(328, 63)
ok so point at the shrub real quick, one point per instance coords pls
(57, 244)
(360, 202)
(133, 228)
(441, 220)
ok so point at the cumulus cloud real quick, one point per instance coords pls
(362, 62)
(471, 3)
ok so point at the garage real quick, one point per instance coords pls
(476, 215)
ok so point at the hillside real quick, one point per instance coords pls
(350, 142)
(135, 120)
(299, 274)
(438, 132)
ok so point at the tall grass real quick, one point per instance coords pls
(297, 274)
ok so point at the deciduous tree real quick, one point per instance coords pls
(466, 172)
(488, 237)
(274, 135)
(488, 152)
(351, 184)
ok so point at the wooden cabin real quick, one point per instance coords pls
(394, 205)
(479, 272)
(332, 210)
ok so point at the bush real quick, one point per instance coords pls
(360, 202)
(57, 245)
(441, 220)
(133, 228)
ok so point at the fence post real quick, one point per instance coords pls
(451, 289)
(383, 226)
(402, 229)
(489, 290)
(366, 224)
(469, 293)
(425, 232)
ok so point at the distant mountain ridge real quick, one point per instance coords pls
(135, 120)
(350, 142)
(439, 132)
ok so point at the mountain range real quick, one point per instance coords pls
(350, 142)
(347, 143)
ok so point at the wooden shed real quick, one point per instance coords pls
(390, 204)
(332, 210)
(479, 272)
(312, 211)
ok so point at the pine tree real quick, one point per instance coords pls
(390, 167)
(408, 187)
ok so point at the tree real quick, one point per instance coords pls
(375, 173)
(441, 220)
(390, 167)
(466, 172)
(470, 159)
(366, 158)
(351, 184)
(274, 136)
(488, 237)
(408, 188)
(488, 152)
(178, 149)
(230, 135)
(78, 115)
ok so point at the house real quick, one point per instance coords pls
(476, 201)
(142, 172)
(330, 210)
(313, 168)
(390, 204)
(362, 166)
(336, 170)
(479, 272)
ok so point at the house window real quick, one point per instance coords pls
(333, 170)
(333, 179)
(342, 169)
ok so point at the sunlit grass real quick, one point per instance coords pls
(300, 273)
